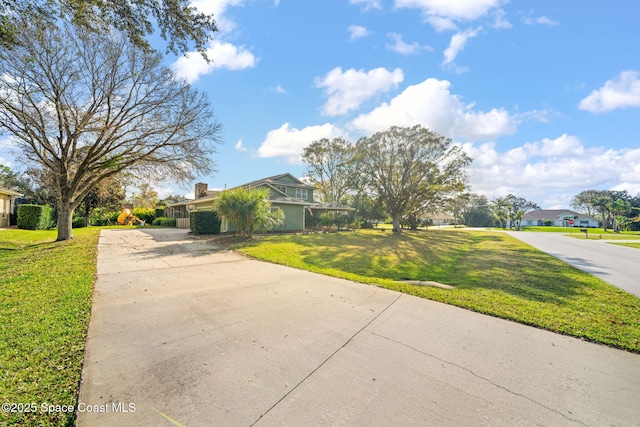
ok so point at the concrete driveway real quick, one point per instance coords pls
(182, 333)
(615, 264)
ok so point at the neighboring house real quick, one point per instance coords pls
(441, 218)
(558, 218)
(7, 205)
(288, 193)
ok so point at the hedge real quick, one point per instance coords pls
(164, 222)
(204, 222)
(34, 217)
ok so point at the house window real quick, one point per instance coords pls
(282, 188)
(301, 193)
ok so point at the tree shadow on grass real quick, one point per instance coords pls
(467, 261)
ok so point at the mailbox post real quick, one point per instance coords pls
(585, 231)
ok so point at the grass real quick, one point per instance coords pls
(628, 244)
(575, 232)
(492, 274)
(605, 236)
(45, 304)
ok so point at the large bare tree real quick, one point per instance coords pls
(84, 106)
(410, 170)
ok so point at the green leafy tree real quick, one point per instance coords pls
(619, 210)
(476, 212)
(177, 22)
(584, 202)
(108, 195)
(329, 167)
(248, 209)
(516, 208)
(500, 210)
(83, 107)
(145, 197)
(409, 170)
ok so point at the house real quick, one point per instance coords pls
(558, 218)
(287, 193)
(441, 218)
(7, 205)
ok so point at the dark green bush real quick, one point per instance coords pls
(103, 216)
(160, 212)
(78, 222)
(34, 217)
(204, 222)
(164, 222)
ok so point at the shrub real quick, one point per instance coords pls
(204, 222)
(248, 209)
(160, 212)
(34, 217)
(164, 222)
(102, 216)
(78, 222)
(146, 215)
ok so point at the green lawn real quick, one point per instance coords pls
(492, 273)
(45, 303)
(629, 244)
(575, 232)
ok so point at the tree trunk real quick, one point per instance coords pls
(65, 217)
(396, 223)
(413, 222)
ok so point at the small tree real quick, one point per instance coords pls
(248, 209)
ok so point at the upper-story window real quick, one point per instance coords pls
(282, 188)
(301, 193)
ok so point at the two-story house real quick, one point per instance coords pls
(287, 193)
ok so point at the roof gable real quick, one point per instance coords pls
(8, 192)
(283, 179)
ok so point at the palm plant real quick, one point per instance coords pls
(248, 209)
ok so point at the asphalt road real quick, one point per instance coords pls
(615, 264)
(184, 334)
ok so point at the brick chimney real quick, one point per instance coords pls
(201, 190)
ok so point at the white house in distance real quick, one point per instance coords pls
(558, 218)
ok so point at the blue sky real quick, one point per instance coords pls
(543, 95)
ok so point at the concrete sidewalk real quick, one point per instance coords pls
(184, 333)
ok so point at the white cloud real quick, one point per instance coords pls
(356, 32)
(432, 105)
(279, 89)
(289, 142)
(222, 55)
(542, 20)
(347, 90)
(239, 146)
(368, 4)
(217, 8)
(457, 43)
(622, 92)
(551, 171)
(500, 21)
(443, 14)
(399, 46)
